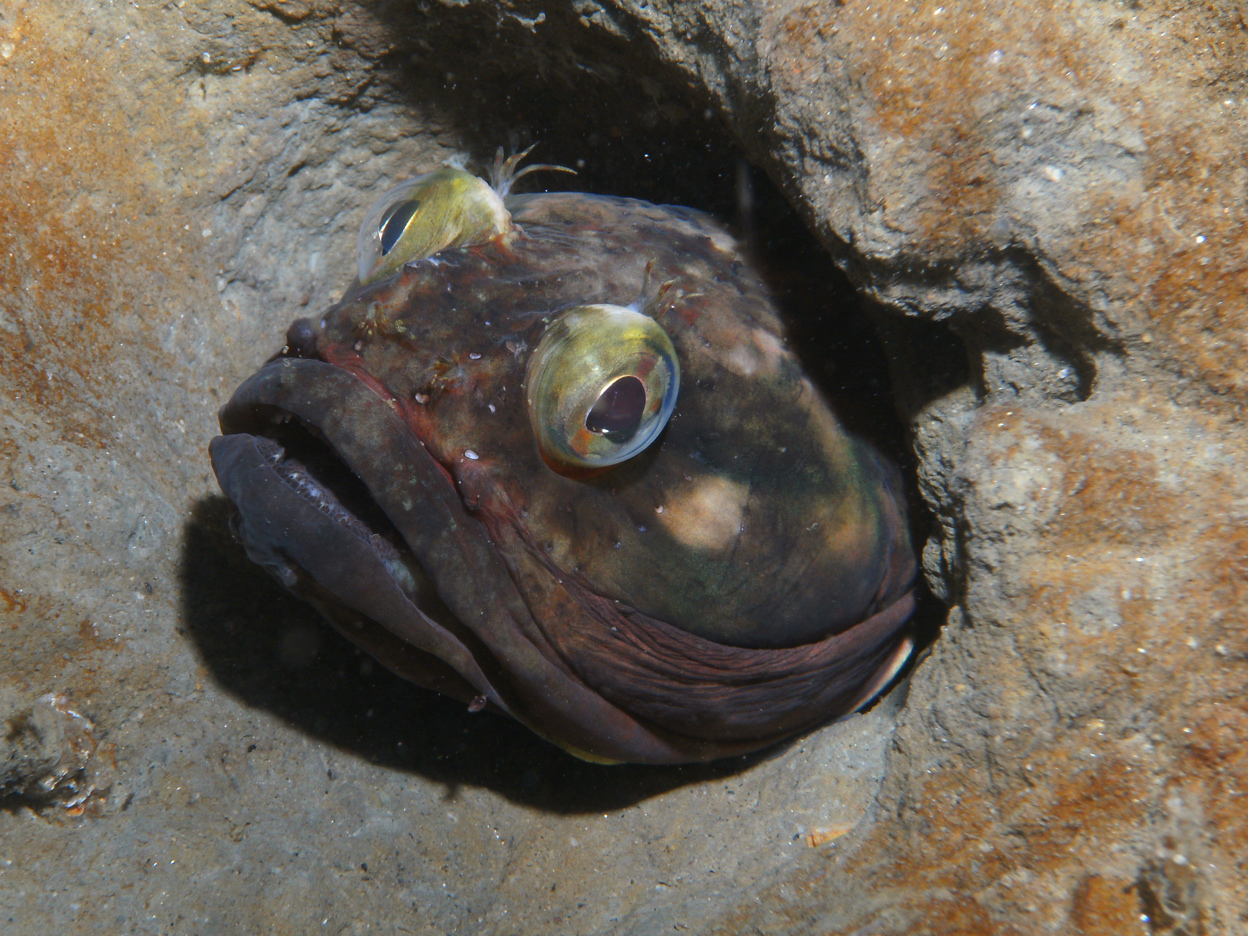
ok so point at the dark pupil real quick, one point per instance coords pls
(395, 223)
(619, 409)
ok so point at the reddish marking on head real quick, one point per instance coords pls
(353, 363)
(575, 472)
(501, 243)
(581, 441)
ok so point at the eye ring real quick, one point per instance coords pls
(600, 387)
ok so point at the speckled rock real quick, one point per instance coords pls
(1044, 209)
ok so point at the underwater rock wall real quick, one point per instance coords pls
(1064, 188)
(1061, 189)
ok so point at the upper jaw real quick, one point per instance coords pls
(300, 508)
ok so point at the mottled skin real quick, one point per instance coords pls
(747, 576)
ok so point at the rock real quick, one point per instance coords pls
(1044, 209)
(32, 746)
(46, 753)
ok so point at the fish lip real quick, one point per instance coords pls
(344, 570)
(311, 429)
(339, 551)
(244, 458)
(292, 493)
(265, 443)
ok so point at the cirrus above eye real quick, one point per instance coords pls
(601, 385)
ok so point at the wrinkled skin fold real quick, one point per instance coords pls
(746, 577)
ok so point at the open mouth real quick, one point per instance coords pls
(299, 455)
(304, 511)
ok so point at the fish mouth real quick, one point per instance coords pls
(303, 509)
(297, 455)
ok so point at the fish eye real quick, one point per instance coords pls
(417, 218)
(601, 385)
(395, 222)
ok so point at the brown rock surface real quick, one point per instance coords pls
(1062, 188)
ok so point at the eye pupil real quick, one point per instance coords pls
(395, 223)
(618, 410)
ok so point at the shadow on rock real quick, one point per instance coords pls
(271, 651)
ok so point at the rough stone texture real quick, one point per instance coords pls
(1062, 189)
(47, 748)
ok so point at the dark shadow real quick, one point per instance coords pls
(1044, 317)
(593, 101)
(271, 651)
(1065, 328)
(829, 329)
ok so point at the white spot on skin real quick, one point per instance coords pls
(744, 360)
(741, 360)
(771, 346)
(706, 514)
(722, 240)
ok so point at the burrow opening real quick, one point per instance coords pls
(628, 127)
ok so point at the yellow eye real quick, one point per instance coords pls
(601, 385)
(417, 218)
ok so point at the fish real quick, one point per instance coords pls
(562, 464)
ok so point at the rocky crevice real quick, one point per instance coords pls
(1041, 216)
